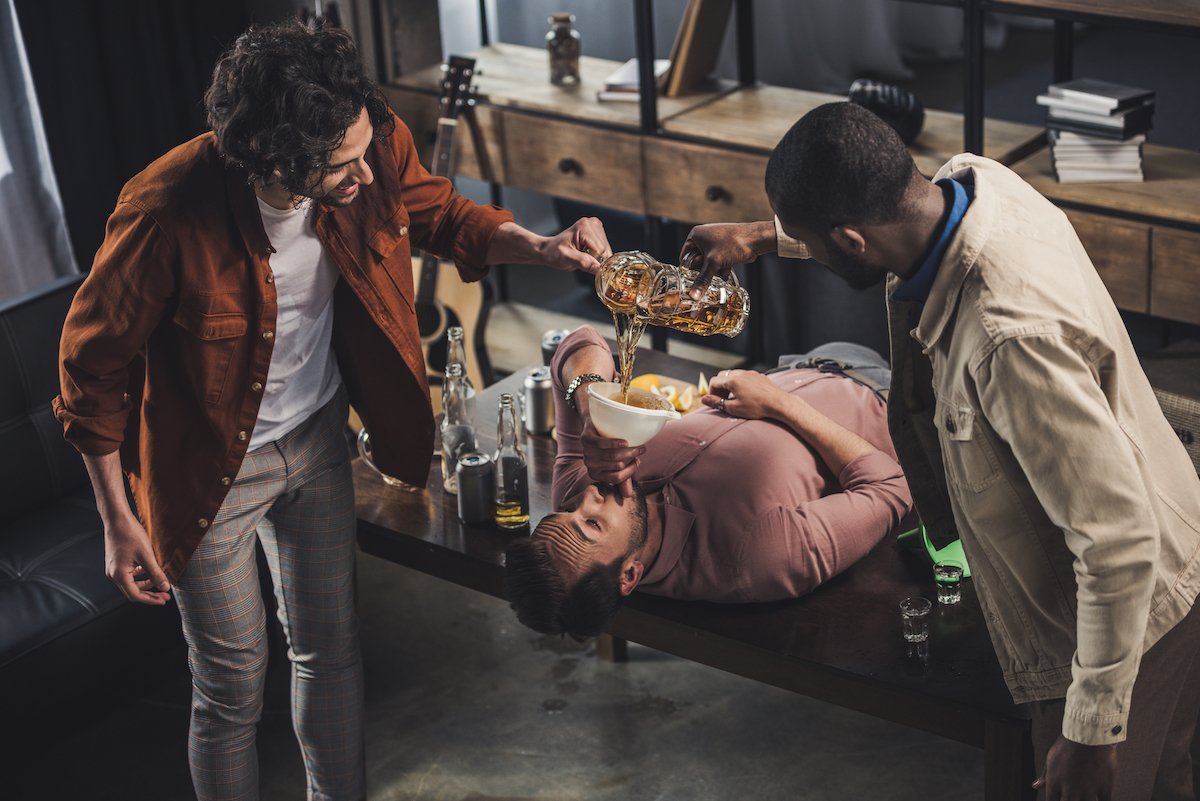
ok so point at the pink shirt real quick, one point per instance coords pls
(750, 511)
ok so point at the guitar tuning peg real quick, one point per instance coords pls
(445, 68)
(471, 103)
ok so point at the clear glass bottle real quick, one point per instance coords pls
(456, 354)
(636, 284)
(512, 472)
(458, 432)
(563, 44)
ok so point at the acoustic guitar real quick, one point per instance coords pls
(443, 299)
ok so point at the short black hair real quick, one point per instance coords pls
(284, 95)
(542, 601)
(840, 164)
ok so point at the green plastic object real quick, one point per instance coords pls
(918, 540)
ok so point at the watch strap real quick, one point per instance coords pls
(576, 383)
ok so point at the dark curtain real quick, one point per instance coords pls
(120, 82)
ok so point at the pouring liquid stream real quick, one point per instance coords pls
(639, 291)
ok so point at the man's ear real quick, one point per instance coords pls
(849, 239)
(631, 575)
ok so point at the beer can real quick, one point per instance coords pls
(476, 488)
(550, 342)
(539, 401)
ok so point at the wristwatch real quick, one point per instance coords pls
(576, 383)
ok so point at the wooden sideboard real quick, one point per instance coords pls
(707, 160)
(1143, 237)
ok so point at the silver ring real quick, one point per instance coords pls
(722, 404)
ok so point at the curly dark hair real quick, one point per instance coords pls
(282, 98)
(840, 164)
(543, 602)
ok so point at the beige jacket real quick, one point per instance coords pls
(1023, 419)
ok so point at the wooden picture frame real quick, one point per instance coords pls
(697, 46)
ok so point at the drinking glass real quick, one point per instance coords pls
(948, 578)
(914, 614)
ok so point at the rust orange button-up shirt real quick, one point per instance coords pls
(166, 348)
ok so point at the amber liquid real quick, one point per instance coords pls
(511, 513)
(621, 295)
(629, 332)
(682, 314)
(628, 295)
(646, 402)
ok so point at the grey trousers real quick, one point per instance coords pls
(1153, 763)
(296, 497)
(864, 359)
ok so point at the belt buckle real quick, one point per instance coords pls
(824, 365)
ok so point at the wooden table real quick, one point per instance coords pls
(840, 644)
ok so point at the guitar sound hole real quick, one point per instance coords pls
(429, 319)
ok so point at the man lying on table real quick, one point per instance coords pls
(784, 481)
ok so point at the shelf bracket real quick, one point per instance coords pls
(1064, 50)
(973, 86)
(647, 89)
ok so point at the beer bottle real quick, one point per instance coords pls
(456, 354)
(458, 432)
(512, 473)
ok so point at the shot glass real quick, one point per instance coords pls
(914, 615)
(948, 576)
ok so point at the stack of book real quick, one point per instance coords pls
(1097, 129)
(622, 84)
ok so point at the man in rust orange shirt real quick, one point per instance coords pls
(251, 283)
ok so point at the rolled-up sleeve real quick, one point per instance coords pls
(442, 221)
(570, 472)
(1042, 395)
(786, 247)
(795, 549)
(113, 314)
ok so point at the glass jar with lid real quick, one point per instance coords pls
(562, 42)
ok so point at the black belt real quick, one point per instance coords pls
(835, 367)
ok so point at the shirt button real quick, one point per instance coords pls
(270, 278)
(404, 230)
(950, 425)
(226, 480)
(268, 335)
(256, 386)
(242, 436)
(202, 523)
(1116, 729)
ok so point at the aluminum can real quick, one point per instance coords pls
(550, 342)
(476, 488)
(539, 401)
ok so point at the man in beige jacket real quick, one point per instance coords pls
(1024, 422)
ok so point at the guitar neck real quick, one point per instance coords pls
(443, 149)
(443, 146)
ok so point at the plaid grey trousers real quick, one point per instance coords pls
(295, 496)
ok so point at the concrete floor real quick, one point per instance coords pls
(463, 704)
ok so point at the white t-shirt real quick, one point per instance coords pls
(303, 375)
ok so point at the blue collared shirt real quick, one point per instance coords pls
(917, 287)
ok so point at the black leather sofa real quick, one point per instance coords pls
(66, 633)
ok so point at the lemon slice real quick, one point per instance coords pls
(685, 400)
(647, 381)
(702, 386)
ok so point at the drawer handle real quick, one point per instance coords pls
(716, 193)
(570, 166)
